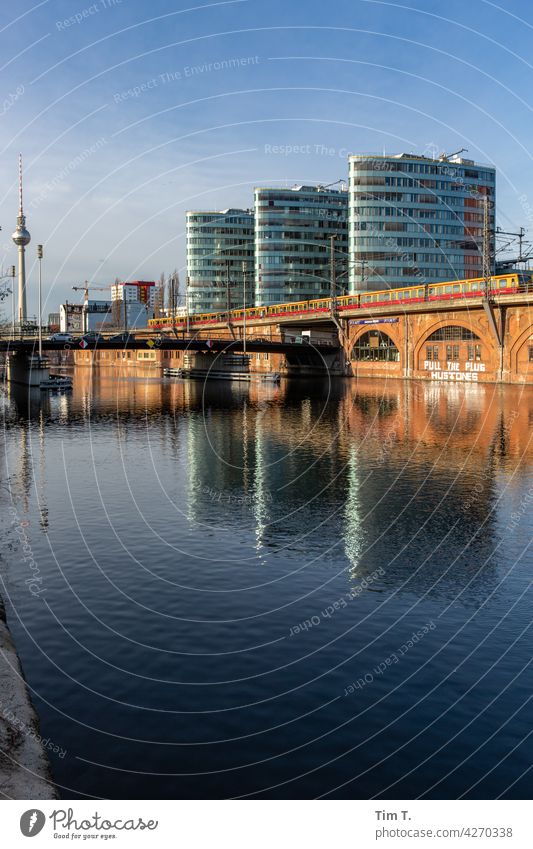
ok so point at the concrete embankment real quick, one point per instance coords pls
(24, 766)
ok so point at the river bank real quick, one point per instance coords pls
(24, 766)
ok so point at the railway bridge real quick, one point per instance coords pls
(464, 339)
(459, 339)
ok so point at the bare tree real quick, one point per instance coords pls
(160, 296)
(173, 291)
(116, 309)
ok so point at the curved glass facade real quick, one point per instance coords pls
(416, 220)
(292, 247)
(218, 243)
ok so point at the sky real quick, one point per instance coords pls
(129, 113)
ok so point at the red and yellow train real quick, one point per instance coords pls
(503, 284)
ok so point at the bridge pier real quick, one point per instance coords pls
(27, 369)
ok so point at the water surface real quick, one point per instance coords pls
(296, 591)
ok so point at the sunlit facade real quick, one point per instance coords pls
(413, 219)
(292, 242)
(220, 259)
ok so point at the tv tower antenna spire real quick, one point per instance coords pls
(21, 238)
(20, 185)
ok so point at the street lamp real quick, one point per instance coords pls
(40, 258)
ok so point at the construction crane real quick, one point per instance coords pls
(445, 157)
(86, 288)
(328, 186)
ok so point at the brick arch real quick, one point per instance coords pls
(516, 348)
(394, 336)
(450, 322)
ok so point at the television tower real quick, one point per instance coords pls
(21, 237)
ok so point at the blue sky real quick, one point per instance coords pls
(128, 113)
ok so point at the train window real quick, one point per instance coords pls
(503, 284)
(431, 290)
(456, 288)
(385, 297)
(474, 287)
(419, 293)
(366, 299)
(448, 290)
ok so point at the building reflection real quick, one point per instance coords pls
(372, 471)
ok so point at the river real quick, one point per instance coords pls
(295, 591)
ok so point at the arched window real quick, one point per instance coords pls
(375, 345)
(452, 333)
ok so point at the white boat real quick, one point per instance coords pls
(202, 366)
(56, 381)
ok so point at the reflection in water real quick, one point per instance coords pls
(183, 531)
(353, 533)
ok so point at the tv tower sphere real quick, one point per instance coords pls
(21, 236)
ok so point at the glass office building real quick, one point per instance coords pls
(292, 245)
(220, 259)
(413, 219)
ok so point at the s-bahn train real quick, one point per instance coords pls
(502, 284)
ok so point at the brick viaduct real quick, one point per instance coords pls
(467, 340)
